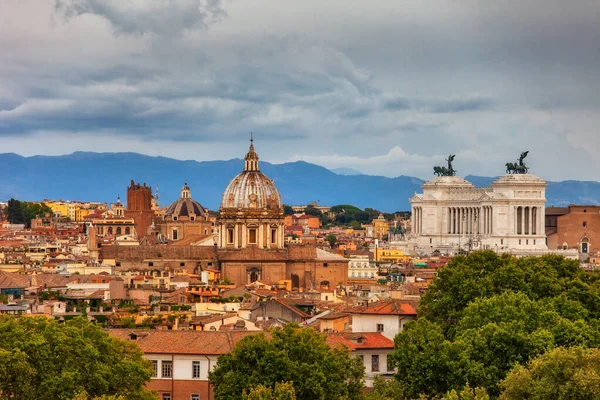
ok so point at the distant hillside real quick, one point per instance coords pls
(346, 171)
(102, 176)
(558, 194)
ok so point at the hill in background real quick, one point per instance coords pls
(88, 176)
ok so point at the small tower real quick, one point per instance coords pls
(186, 192)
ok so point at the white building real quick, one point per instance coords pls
(387, 317)
(359, 267)
(508, 216)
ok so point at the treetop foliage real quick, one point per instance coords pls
(42, 359)
(485, 314)
(298, 356)
(22, 212)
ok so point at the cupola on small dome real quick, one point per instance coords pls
(185, 207)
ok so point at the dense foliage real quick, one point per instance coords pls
(22, 212)
(485, 314)
(42, 359)
(298, 356)
(559, 374)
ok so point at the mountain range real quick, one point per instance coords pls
(88, 176)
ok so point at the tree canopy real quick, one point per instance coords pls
(486, 313)
(298, 356)
(22, 212)
(559, 374)
(42, 359)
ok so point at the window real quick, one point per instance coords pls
(194, 396)
(175, 234)
(375, 363)
(182, 264)
(230, 236)
(192, 218)
(379, 327)
(154, 368)
(325, 265)
(584, 224)
(273, 236)
(195, 369)
(252, 236)
(501, 241)
(167, 369)
(174, 217)
(118, 230)
(166, 396)
(127, 231)
(150, 264)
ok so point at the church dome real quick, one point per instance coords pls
(251, 189)
(185, 207)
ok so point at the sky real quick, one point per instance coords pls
(386, 87)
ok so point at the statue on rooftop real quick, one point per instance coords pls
(519, 167)
(446, 171)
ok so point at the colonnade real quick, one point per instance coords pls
(528, 221)
(417, 220)
(463, 220)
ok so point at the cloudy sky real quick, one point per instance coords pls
(388, 87)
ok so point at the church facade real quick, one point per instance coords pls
(250, 237)
(453, 214)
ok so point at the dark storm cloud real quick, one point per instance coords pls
(348, 85)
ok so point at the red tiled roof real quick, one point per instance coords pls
(183, 342)
(11, 280)
(386, 307)
(368, 340)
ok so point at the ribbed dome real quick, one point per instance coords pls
(185, 206)
(251, 189)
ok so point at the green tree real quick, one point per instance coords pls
(288, 210)
(468, 393)
(331, 239)
(312, 210)
(14, 212)
(283, 391)
(486, 274)
(42, 359)
(486, 313)
(559, 374)
(427, 363)
(386, 389)
(290, 354)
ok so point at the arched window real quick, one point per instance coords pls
(127, 231)
(118, 230)
(110, 231)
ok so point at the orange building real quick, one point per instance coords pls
(574, 227)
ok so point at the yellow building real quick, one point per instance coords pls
(58, 207)
(390, 255)
(380, 227)
(81, 213)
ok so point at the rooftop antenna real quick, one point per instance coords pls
(251, 137)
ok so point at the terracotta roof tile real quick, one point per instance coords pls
(359, 340)
(183, 342)
(387, 307)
